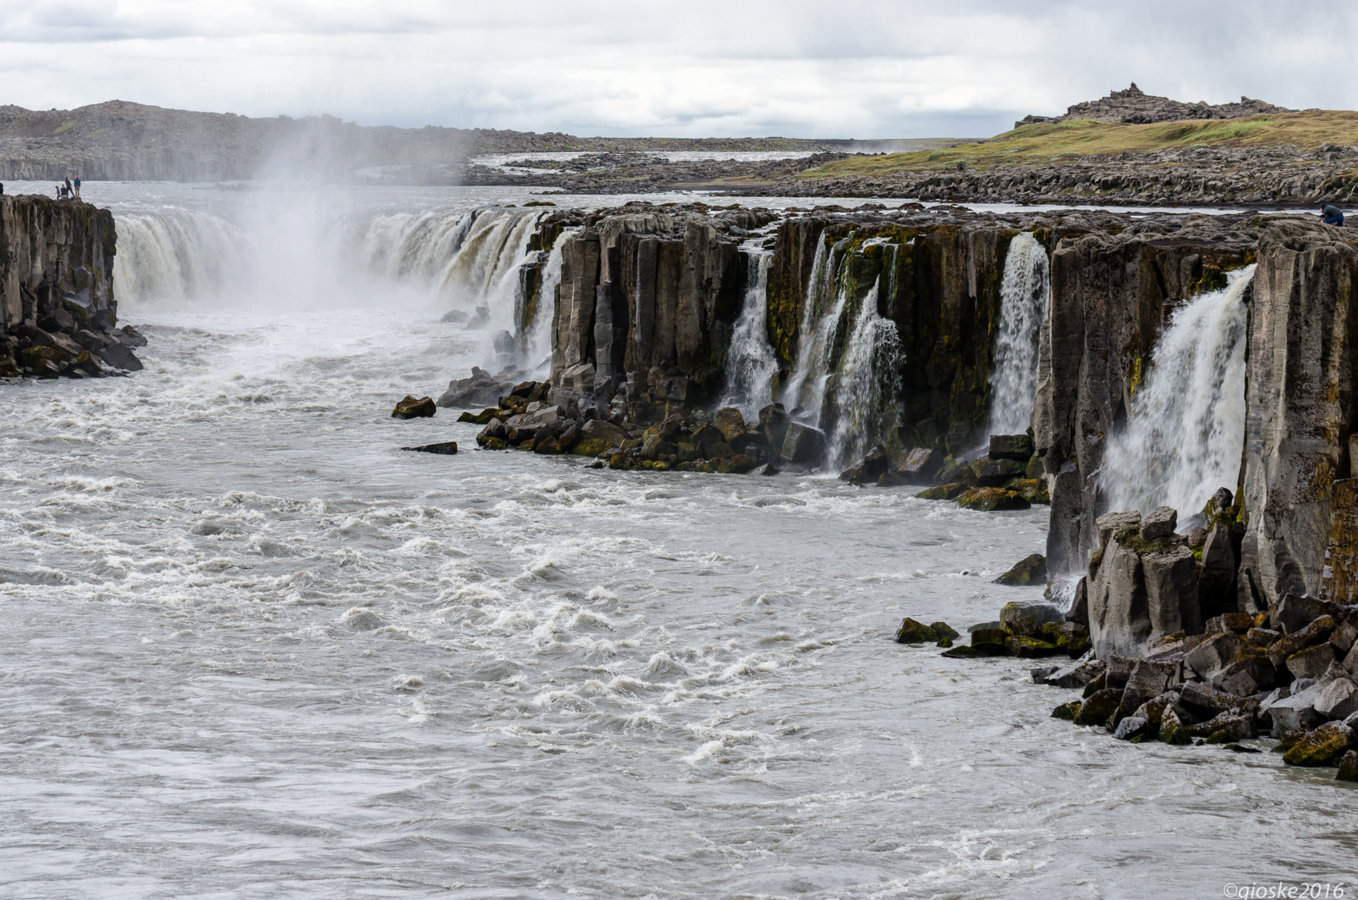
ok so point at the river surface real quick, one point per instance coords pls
(250, 648)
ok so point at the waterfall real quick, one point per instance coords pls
(172, 254)
(750, 363)
(536, 342)
(415, 245)
(809, 348)
(1025, 296)
(1187, 423)
(864, 405)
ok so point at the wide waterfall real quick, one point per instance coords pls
(174, 253)
(1187, 424)
(1025, 297)
(750, 363)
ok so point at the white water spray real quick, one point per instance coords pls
(750, 364)
(865, 406)
(174, 254)
(1188, 420)
(1025, 297)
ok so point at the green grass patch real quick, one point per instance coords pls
(1044, 142)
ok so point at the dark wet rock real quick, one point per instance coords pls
(446, 448)
(996, 472)
(869, 469)
(803, 444)
(1067, 711)
(479, 389)
(990, 499)
(1348, 766)
(1337, 699)
(1324, 746)
(409, 407)
(1028, 617)
(1135, 729)
(949, 491)
(1030, 570)
(1099, 707)
(1075, 675)
(1018, 447)
(1312, 662)
(913, 632)
(917, 465)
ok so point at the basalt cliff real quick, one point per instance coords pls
(58, 315)
(879, 342)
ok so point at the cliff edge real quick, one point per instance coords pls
(58, 315)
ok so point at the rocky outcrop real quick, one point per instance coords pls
(58, 315)
(1302, 407)
(1133, 107)
(1111, 295)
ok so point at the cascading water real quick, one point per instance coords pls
(1025, 297)
(810, 349)
(1188, 421)
(750, 364)
(864, 402)
(537, 339)
(172, 254)
(415, 245)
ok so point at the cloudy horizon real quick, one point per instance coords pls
(866, 70)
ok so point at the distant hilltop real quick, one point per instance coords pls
(1134, 107)
(123, 141)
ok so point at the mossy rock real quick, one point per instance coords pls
(913, 632)
(965, 652)
(1034, 490)
(1173, 731)
(1030, 570)
(1348, 767)
(991, 500)
(1026, 647)
(492, 443)
(1099, 707)
(949, 491)
(1322, 747)
(1095, 686)
(480, 418)
(409, 407)
(1067, 711)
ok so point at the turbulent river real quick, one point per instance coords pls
(250, 648)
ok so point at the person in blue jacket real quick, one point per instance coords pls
(1332, 215)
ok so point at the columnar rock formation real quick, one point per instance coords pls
(57, 310)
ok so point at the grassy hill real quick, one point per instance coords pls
(1044, 143)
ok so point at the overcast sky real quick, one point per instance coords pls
(829, 68)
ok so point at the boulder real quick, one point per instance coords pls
(918, 465)
(996, 472)
(479, 389)
(1076, 675)
(1294, 612)
(414, 408)
(446, 448)
(1030, 570)
(913, 632)
(774, 422)
(1113, 522)
(1018, 447)
(1099, 707)
(1348, 767)
(1311, 662)
(802, 444)
(990, 499)
(1159, 523)
(1337, 699)
(868, 469)
(1027, 617)
(1213, 654)
(1135, 729)
(1324, 746)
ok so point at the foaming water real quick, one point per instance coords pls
(253, 649)
(751, 365)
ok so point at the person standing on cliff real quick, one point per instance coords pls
(77, 187)
(1332, 215)
(70, 191)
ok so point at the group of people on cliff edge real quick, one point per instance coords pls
(69, 190)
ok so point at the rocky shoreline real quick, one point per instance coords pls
(1218, 635)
